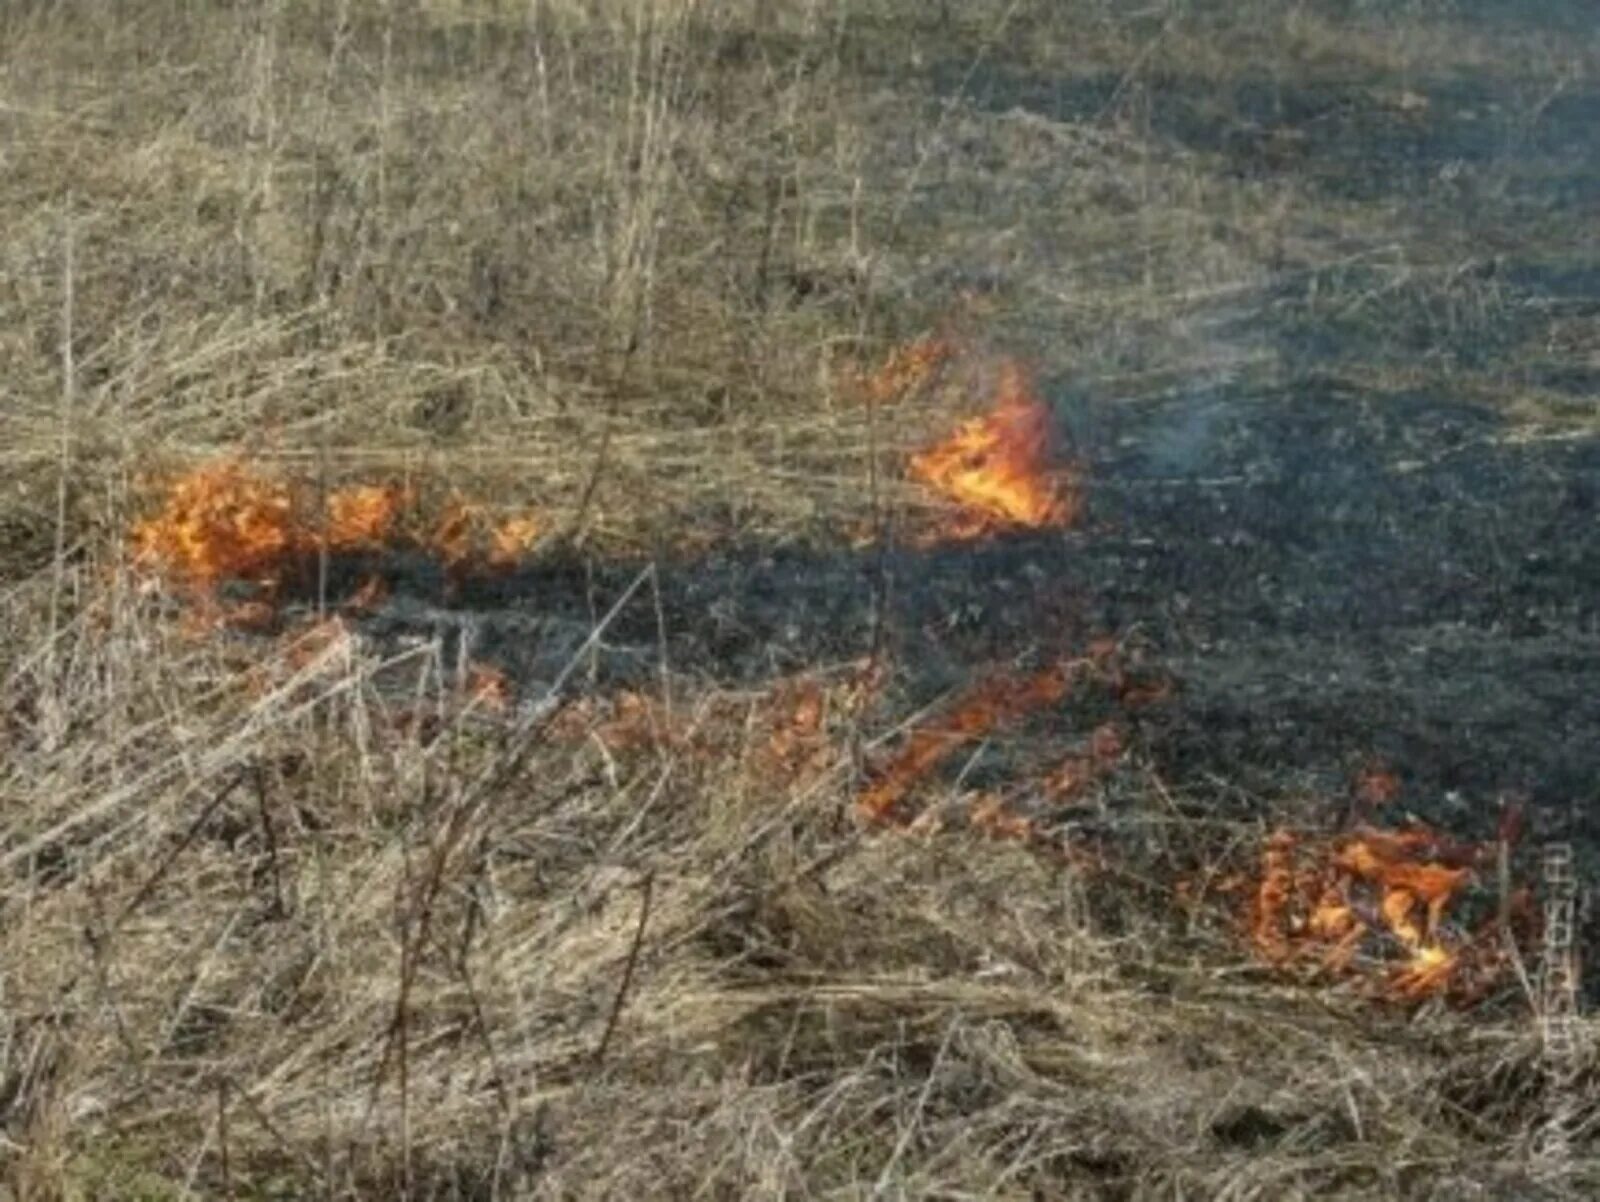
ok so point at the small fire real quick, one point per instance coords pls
(220, 522)
(225, 522)
(462, 537)
(997, 467)
(990, 704)
(363, 516)
(1372, 903)
(512, 539)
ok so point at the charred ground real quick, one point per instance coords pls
(1329, 575)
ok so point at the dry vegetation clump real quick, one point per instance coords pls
(314, 917)
(281, 931)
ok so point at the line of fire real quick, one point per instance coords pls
(1044, 657)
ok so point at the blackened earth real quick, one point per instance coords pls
(1330, 577)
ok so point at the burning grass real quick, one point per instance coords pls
(219, 522)
(1377, 908)
(987, 706)
(1371, 906)
(276, 928)
(290, 827)
(997, 471)
(689, 780)
(998, 468)
(224, 522)
(1373, 909)
(1003, 699)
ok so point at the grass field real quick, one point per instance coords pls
(624, 265)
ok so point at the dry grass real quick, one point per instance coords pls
(265, 937)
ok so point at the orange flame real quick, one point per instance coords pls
(1370, 901)
(459, 538)
(220, 522)
(362, 517)
(225, 522)
(983, 709)
(512, 539)
(997, 466)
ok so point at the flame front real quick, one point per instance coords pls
(997, 467)
(225, 522)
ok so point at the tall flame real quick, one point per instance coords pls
(997, 467)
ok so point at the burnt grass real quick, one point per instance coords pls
(1329, 577)
(1332, 571)
(1343, 136)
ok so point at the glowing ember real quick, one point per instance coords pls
(489, 686)
(1079, 772)
(991, 816)
(797, 726)
(368, 597)
(997, 467)
(1376, 785)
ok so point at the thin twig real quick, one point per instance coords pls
(647, 891)
(480, 1026)
(279, 909)
(222, 1135)
(161, 869)
(69, 388)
